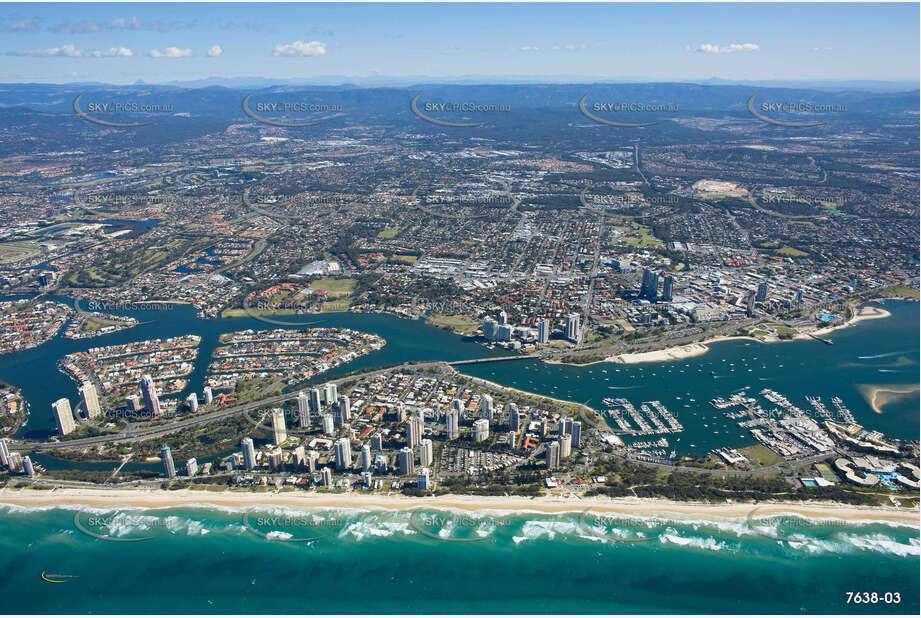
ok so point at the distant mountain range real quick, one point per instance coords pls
(41, 117)
(225, 99)
(260, 82)
(404, 81)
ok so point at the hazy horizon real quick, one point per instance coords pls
(162, 43)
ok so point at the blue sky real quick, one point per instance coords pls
(123, 42)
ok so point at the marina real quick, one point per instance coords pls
(651, 418)
(785, 429)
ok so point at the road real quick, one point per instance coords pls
(780, 467)
(144, 433)
(650, 344)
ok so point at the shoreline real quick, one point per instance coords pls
(680, 352)
(699, 348)
(861, 313)
(636, 507)
(496, 385)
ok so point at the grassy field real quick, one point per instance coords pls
(790, 252)
(636, 235)
(241, 313)
(462, 324)
(334, 288)
(404, 259)
(338, 298)
(335, 306)
(19, 250)
(90, 325)
(783, 331)
(900, 291)
(760, 455)
(389, 233)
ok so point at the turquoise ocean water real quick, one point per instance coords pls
(204, 560)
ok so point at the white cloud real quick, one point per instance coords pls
(214, 51)
(113, 52)
(569, 47)
(64, 51)
(171, 52)
(72, 51)
(26, 25)
(119, 23)
(122, 23)
(528, 48)
(709, 48)
(301, 48)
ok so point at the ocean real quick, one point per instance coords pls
(210, 560)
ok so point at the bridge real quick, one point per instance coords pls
(494, 359)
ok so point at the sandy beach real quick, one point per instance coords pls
(865, 312)
(154, 498)
(658, 356)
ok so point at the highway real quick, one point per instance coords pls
(494, 359)
(147, 432)
(152, 431)
(779, 467)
